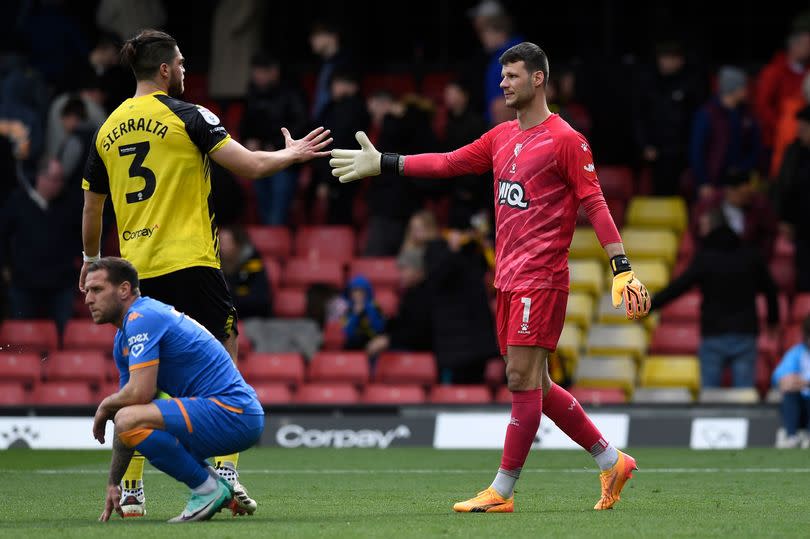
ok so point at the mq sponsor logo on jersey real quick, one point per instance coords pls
(512, 194)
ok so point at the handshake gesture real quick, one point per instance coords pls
(351, 165)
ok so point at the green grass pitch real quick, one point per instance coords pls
(409, 493)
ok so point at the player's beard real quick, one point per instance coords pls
(176, 85)
(522, 97)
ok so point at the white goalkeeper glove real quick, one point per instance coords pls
(351, 165)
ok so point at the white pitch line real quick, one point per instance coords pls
(349, 471)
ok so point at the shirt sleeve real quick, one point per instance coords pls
(205, 129)
(142, 334)
(576, 165)
(474, 158)
(95, 177)
(788, 365)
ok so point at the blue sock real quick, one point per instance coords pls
(166, 454)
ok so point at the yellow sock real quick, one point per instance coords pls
(133, 477)
(227, 460)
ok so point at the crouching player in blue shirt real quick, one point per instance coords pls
(213, 412)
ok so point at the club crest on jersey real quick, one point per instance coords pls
(584, 146)
(512, 194)
(518, 147)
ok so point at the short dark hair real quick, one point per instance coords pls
(145, 52)
(530, 54)
(118, 271)
(74, 106)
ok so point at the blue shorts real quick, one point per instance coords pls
(207, 428)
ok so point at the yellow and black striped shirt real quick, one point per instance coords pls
(151, 156)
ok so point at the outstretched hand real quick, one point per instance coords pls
(351, 165)
(309, 147)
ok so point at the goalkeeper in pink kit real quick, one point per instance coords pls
(543, 171)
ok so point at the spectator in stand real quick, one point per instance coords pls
(412, 327)
(244, 273)
(496, 35)
(324, 39)
(403, 123)
(562, 97)
(270, 105)
(469, 194)
(725, 134)
(235, 37)
(729, 274)
(115, 81)
(463, 325)
(72, 153)
(793, 197)
(39, 237)
(780, 81)
(787, 127)
(125, 18)
(792, 378)
(92, 97)
(345, 114)
(364, 319)
(747, 212)
(666, 99)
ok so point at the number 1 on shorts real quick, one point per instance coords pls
(527, 305)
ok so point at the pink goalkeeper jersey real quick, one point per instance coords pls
(541, 175)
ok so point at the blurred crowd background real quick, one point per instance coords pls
(703, 110)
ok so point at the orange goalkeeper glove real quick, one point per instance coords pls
(626, 287)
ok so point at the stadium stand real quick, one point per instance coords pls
(326, 394)
(76, 366)
(460, 394)
(87, 335)
(271, 241)
(38, 336)
(406, 368)
(280, 368)
(349, 367)
(393, 394)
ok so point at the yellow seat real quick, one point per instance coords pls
(606, 372)
(569, 346)
(650, 243)
(667, 212)
(617, 340)
(671, 371)
(586, 276)
(579, 310)
(585, 244)
(653, 273)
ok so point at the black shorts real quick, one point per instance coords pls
(199, 292)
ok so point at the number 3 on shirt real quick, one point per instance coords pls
(137, 170)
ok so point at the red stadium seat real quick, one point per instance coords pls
(111, 373)
(302, 272)
(616, 181)
(503, 395)
(433, 85)
(406, 368)
(25, 368)
(349, 367)
(37, 336)
(793, 336)
(782, 308)
(76, 366)
(327, 394)
(269, 393)
(273, 269)
(333, 336)
(271, 241)
(495, 373)
(243, 342)
(397, 84)
(783, 271)
(388, 300)
(393, 394)
(460, 394)
(379, 271)
(598, 396)
(685, 309)
(12, 394)
(290, 303)
(325, 243)
(675, 339)
(87, 335)
(106, 389)
(287, 368)
(63, 394)
(80, 310)
(801, 308)
(686, 248)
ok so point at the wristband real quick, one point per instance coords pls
(91, 258)
(389, 162)
(619, 264)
